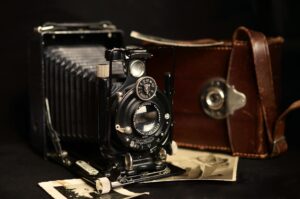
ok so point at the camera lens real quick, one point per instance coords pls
(146, 119)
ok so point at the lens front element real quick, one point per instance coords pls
(146, 119)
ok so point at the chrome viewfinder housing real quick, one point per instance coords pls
(137, 68)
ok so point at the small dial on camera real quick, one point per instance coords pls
(146, 88)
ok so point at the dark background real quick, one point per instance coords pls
(173, 19)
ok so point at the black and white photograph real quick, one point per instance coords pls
(78, 189)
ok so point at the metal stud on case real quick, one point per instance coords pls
(218, 99)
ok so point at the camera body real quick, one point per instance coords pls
(93, 108)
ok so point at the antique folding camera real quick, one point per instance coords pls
(94, 109)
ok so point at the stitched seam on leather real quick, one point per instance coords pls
(251, 155)
(227, 149)
(219, 48)
(204, 146)
(239, 43)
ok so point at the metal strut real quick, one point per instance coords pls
(61, 154)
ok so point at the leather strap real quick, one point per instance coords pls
(279, 143)
(263, 70)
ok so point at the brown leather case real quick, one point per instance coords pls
(251, 65)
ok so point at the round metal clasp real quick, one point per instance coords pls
(219, 99)
(213, 98)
